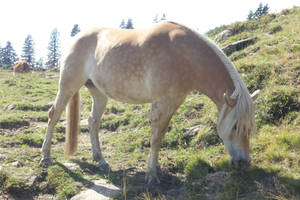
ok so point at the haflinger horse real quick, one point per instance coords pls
(158, 65)
(21, 67)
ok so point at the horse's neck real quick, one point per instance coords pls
(214, 81)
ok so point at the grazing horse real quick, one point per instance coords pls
(21, 67)
(158, 65)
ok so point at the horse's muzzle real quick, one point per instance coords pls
(241, 164)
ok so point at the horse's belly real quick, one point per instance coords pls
(133, 91)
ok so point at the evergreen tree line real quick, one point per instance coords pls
(129, 23)
(8, 55)
(260, 11)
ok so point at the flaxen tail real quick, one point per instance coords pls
(72, 128)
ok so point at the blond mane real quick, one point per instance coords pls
(242, 114)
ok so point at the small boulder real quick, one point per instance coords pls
(31, 181)
(223, 35)
(10, 107)
(239, 45)
(16, 164)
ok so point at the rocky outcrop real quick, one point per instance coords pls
(239, 45)
(223, 35)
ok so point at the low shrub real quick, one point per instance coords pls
(31, 138)
(13, 122)
(256, 77)
(275, 29)
(277, 103)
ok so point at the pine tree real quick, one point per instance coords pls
(163, 17)
(75, 30)
(129, 24)
(260, 11)
(54, 49)
(9, 56)
(265, 9)
(250, 15)
(28, 51)
(123, 25)
(39, 63)
(155, 20)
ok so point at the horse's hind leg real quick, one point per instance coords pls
(61, 101)
(99, 103)
(68, 86)
(161, 113)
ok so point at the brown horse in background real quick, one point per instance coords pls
(158, 65)
(21, 67)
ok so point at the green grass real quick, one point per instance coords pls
(190, 163)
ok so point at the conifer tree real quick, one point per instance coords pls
(28, 51)
(9, 56)
(250, 15)
(75, 30)
(163, 17)
(129, 24)
(54, 49)
(123, 24)
(260, 11)
(155, 20)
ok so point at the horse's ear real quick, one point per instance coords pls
(254, 95)
(230, 102)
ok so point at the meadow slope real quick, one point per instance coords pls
(194, 162)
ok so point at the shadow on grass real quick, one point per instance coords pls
(253, 183)
(133, 179)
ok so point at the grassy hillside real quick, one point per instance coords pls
(194, 163)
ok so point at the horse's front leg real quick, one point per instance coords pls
(161, 113)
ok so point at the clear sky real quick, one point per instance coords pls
(18, 18)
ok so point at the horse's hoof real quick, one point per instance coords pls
(158, 170)
(152, 182)
(45, 162)
(103, 166)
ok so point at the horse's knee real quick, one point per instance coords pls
(51, 112)
(91, 121)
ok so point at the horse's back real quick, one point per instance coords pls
(137, 66)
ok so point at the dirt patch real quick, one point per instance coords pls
(214, 182)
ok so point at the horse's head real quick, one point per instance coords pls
(235, 125)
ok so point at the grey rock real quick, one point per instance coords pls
(101, 190)
(223, 35)
(10, 107)
(239, 45)
(192, 131)
(31, 181)
(16, 164)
